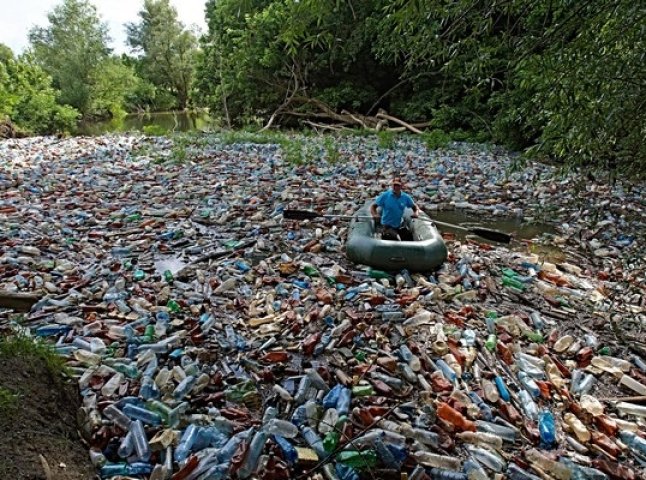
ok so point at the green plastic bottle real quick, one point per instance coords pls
(173, 306)
(513, 282)
(374, 273)
(311, 271)
(362, 391)
(330, 441)
(149, 334)
(536, 337)
(490, 344)
(135, 217)
(359, 460)
(168, 276)
(139, 275)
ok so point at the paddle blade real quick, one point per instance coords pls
(492, 235)
(300, 215)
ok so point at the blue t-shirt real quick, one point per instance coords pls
(392, 207)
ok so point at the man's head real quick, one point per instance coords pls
(397, 185)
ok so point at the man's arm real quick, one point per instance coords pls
(414, 206)
(373, 211)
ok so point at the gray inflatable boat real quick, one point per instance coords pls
(426, 252)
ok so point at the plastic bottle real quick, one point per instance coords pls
(438, 461)
(514, 472)
(140, 441)
(529, 384)
(487, 458)
(343, 403)
(345, 472)
(314, 441)
(481, 438)
(186, 443)
(446, 370)
(138, 413)
(506, 433)
(118, 417)
(287, 449)
(474, 470)
(577, 427)
(529, 406)
(547, 429)
(250, 461)
(281, 428)
(364, 459)
(455, 418)
(632, 409)
(556, 469)
(634, 442)
(502, 388)
(579, 472)
(443, 474)
(485, 410)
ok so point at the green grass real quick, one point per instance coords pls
(386, 139)
(436, 139)
(33, 349)
(8, 401)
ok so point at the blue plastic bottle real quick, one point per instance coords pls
(186, 443)
(343, 403)
(290, 455)
(547, 429)
(502, 388)
(250, 461)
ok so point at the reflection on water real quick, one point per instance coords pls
(512, 225)
(546, 250)
(166, 121)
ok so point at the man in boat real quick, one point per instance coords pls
(393, 203)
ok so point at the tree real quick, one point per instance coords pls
(167, 49)
(70, 49)
(28, 99)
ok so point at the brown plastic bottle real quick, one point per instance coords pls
(614, 470)
(455, 418)
(606, 424)
(605, 443)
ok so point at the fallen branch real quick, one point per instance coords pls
(398, 121)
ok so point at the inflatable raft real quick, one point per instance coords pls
(426, 252)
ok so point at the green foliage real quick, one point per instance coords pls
(168, 49)
(331, 151)
(33, 350)
(155, 130)
(112, 84)
(436, 139)
(386, 139)
(557, 79)
(28, 99)
(71, 49)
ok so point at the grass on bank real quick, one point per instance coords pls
(33, 350)
(297, 148)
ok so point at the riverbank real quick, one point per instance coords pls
(257, 301)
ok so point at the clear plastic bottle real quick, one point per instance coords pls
(529, 406)
(438, 461)
(283, 428)
(142, 448)
(556, 469)
(487, 458)
(481, 438)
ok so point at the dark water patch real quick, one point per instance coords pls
(163, 121)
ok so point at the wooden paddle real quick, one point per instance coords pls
(493, 235)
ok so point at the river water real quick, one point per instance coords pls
(163, 121)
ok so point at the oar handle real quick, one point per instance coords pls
(451, 225)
